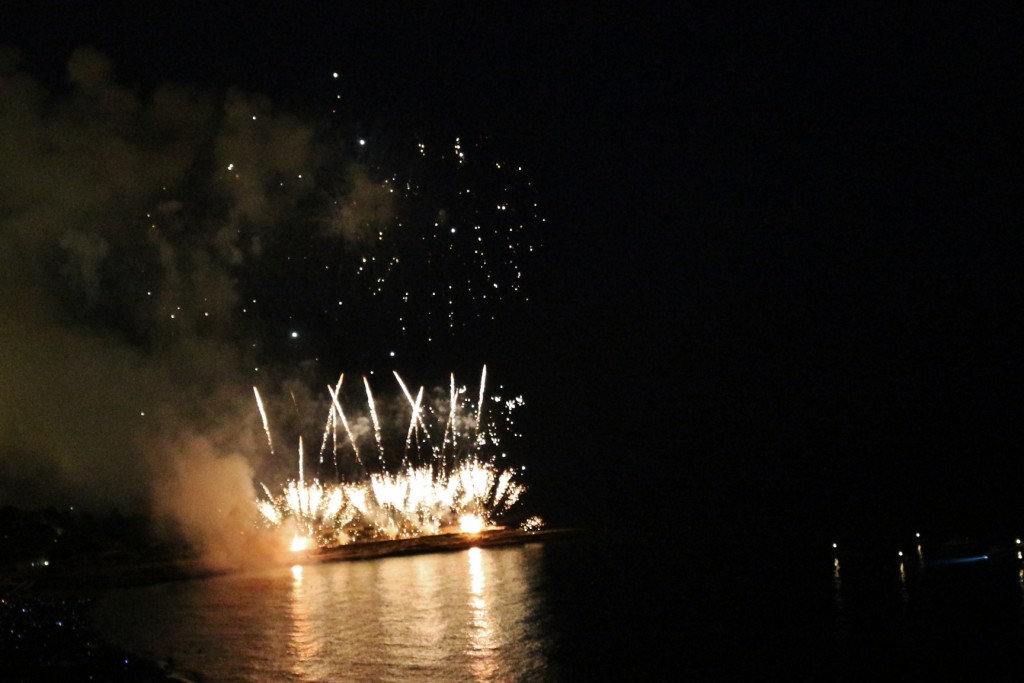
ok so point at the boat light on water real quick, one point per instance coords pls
(958, 560)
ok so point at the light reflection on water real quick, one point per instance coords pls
(473, 615)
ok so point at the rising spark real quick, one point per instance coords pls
(344, 421)
(266, 423)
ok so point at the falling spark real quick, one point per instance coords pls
(344, 421)
(376, 422)
(415, 420)
(457, 236)
(453, 401)
(331, 426)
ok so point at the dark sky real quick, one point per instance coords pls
(780, 275)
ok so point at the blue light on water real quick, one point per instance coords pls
(961, 560)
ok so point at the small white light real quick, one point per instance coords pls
(295, 335)
(362, 141)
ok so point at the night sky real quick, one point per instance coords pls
(776, 270)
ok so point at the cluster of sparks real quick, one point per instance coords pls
(446, 479)
(457, 240)
(438, 235)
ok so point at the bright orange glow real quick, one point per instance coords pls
(299, 543)
(471, 524)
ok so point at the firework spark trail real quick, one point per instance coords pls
(376, 423)
(344, 422)
(331, 428)
(412, 422)
(449, 427)
(480, 406)
(419, 500)
(417, 409)
(504, 479)
(416, 421)
(266, 423)
(452, 237)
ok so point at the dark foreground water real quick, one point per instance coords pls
(596, 608)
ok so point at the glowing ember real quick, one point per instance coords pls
(446, 479)
(471, 524)
(534, 523)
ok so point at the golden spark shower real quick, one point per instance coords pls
(444, 477)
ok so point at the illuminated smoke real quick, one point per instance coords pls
(139, 231)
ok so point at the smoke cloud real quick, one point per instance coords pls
(207, 496)
(128, 222)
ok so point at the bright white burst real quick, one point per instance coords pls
(446, 479)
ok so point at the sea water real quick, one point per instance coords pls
(599, 608)
(478, 614)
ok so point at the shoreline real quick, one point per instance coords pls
(438, 543)
(87, 579)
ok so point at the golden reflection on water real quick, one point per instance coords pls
(482, 641)
(451, 616)
(304, 642)
(474, 615)
(413, 617)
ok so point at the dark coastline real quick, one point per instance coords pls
(49, 637)
(437, 544)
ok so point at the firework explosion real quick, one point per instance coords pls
(192, 242)
(446, 478)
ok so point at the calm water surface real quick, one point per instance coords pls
(476, 615)
(595, 609)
